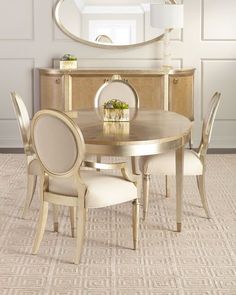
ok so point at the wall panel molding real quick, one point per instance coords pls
(14, 19)
(18, 72)
(218, 20)
(220, 74)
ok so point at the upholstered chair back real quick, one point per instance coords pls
(116, 88)
(208, 123)
(58, 142)
(22, 119)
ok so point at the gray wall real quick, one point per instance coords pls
(29, 39)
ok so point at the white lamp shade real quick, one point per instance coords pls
(167, 16)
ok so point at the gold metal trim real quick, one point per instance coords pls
(115, 79)
(94, 44)
(67, 92)
(101, 72)
(179, 227)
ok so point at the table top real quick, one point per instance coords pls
(149, 132)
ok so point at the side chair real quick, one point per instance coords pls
(60, 148)
(118, 88)
(194, 162)
(103, 39)
(33, 166)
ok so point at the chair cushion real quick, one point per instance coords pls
(164, 164)
(102, 189)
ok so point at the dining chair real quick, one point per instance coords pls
(118, 88)
(194, 162)
(103, 39)
(60, 148)
(33, 165)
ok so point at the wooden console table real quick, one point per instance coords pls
(74, 90)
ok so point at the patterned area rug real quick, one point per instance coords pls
(200, 260)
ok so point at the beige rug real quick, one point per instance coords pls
(200, 260)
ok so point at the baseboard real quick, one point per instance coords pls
(210, 151)
(11, 151)
(221, 151)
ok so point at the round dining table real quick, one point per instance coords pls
(148, 132)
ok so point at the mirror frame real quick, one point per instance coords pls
(94, 44)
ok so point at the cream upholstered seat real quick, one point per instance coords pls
(194, 162)
(99, 188)
(59, 145)
(33, 166)
(164, 164)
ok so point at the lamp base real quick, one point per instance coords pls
(166, 69)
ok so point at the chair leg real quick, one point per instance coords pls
(80, 231)
(73, 221)
(202, 191)
(134, 165)
(146, 182)
(98, 160)
(135, 222)
(197, 182)
(55, 217)
(190, 143)
(86, 214)
(167, 186)
(43, 214)
(31, 185)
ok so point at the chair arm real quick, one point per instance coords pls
(29, 150)
(104, 166)
(122, 166)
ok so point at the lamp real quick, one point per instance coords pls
(167, 16)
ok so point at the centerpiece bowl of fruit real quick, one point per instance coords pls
(115, 110)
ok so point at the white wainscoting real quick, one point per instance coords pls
(29, 38)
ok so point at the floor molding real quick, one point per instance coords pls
(210, 151)
(221, 151)
(11, 151)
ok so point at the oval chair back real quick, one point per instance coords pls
(58, 143)
(208, 123)
(103, 39)
(22, 119)
(116, 88)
